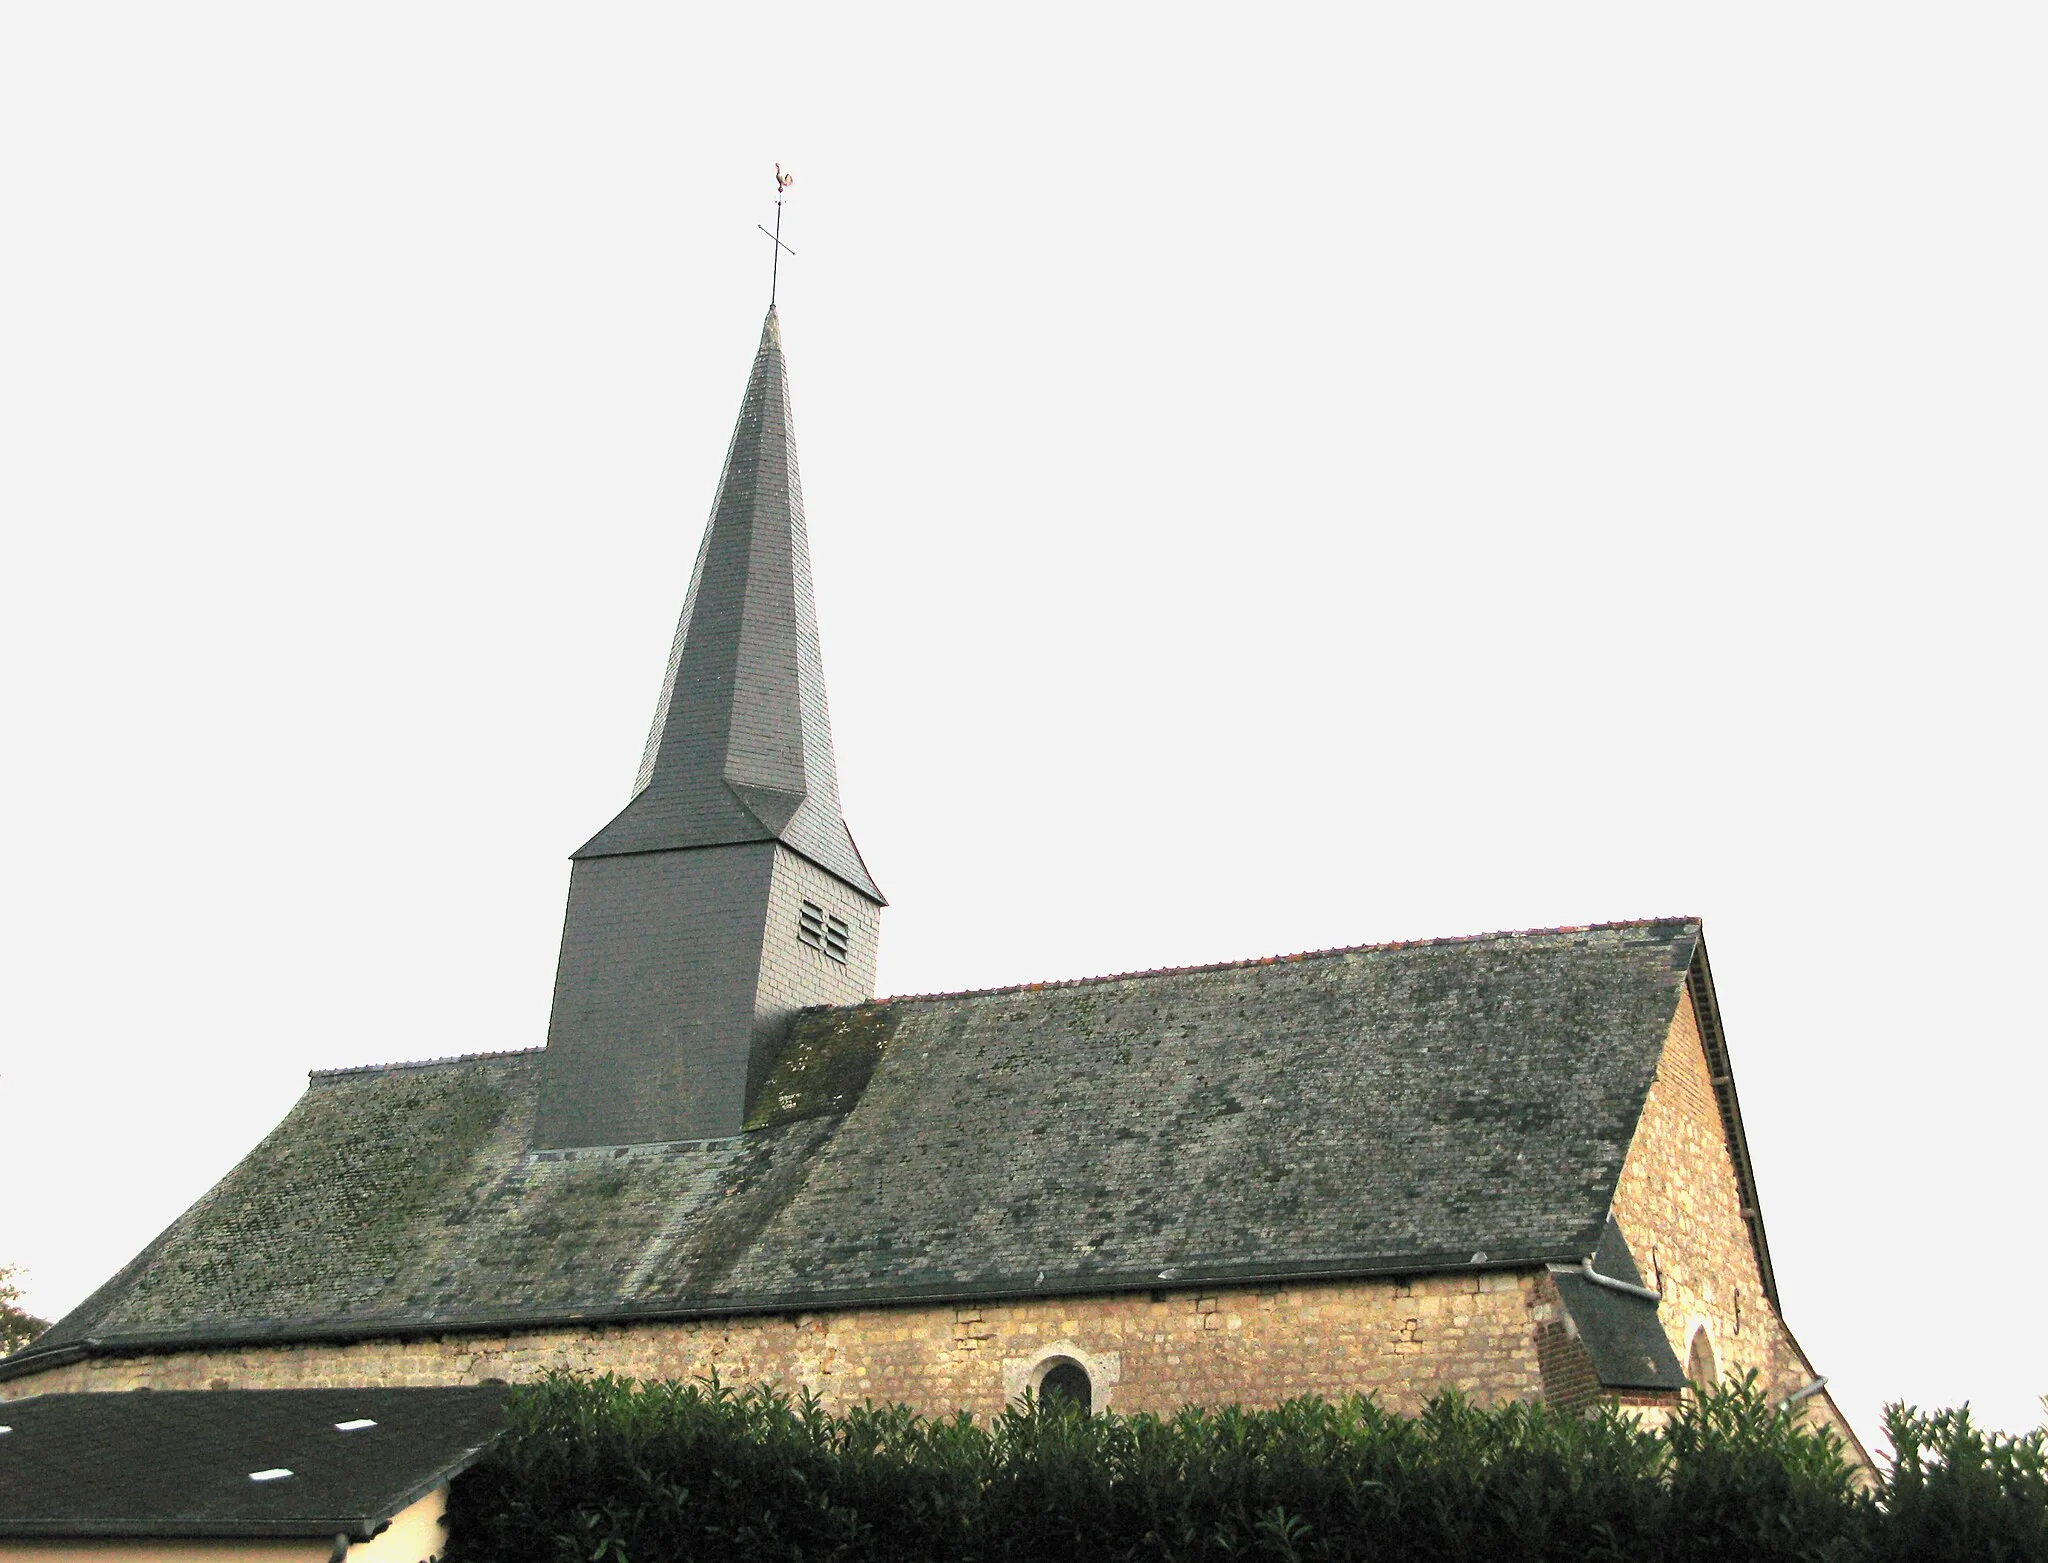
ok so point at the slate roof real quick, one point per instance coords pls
(741, 747)
(178, 1463)
(1388, 1109)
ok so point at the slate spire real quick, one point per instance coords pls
(741, 747)
(728, 894)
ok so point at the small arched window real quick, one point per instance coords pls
(1699, 1361)
(1066, 1384)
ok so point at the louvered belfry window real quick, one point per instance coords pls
(822, 930)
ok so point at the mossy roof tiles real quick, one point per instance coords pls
(1385, 1109)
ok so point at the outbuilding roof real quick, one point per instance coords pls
(233, 1463)
(1385, 1109)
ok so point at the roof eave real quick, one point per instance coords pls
(31, 1360)
(356, 1526)
(391, 1507)
(994, 1288)
(870, 889)
(1707, 1015)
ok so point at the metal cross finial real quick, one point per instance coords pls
(782, 182)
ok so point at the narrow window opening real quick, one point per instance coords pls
(1066, 1385)
(836, 937)
(1699, 1361)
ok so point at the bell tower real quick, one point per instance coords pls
(728, 893)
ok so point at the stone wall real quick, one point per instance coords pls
(1403, 1339)
(1679, 1204)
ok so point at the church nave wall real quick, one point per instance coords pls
(1401, 1339)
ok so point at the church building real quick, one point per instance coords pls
(1513, 1164)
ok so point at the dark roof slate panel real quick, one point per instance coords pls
(1390, 1108)
(179, 1463)
(1621, 1333)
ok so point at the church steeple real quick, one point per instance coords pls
(728, 892)
(741, 747)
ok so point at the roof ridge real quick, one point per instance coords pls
(419, 1063)
(1273, 960)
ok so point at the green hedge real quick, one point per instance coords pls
(613, 1471)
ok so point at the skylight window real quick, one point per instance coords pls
(276, 1473)
(355, 1426)
(6, 1429)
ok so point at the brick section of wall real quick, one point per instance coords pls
(1678, 1204)
(1569, 1379)
(1403, 1340)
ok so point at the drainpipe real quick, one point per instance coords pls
(339, 1550)
(1807, 1393)
(1614, 1284)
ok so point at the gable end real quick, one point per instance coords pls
(1707, 1015)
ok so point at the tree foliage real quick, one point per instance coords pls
(17, 1325)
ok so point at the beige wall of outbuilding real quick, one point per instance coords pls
(416, 1533)
(101, 1550)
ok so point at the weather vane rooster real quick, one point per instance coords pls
(782, 183)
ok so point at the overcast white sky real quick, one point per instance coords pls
(1278, 478)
